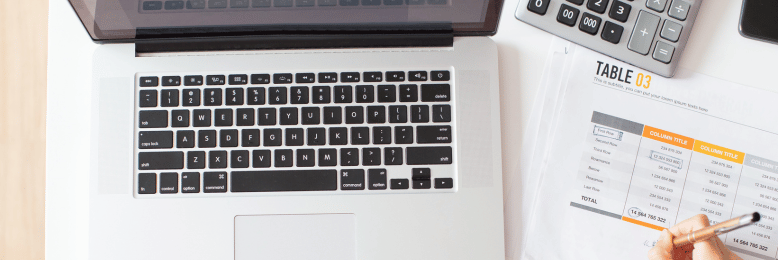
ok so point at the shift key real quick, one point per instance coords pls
(429, 155)
(160, 160)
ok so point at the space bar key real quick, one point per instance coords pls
(291, 180)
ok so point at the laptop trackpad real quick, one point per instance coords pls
(315, 236)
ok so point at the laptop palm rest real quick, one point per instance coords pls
(314, 236)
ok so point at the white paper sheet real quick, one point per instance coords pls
(622, 154)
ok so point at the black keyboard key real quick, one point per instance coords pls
(589, 23)
(437, 2)
(266, 116)
(245, 117)
(578, 2)
(382, 135)
(294, 137)
(206, 138)
(256, 96)
(195, 160)
(352, 179)
(328, 157)
(376, 76)
(360, 135)
(422, 184)
(333, 115)
(217, 4)
(311, 116)
(260, 78)
(567, 15)
(387, 93)
(155, 139)
(376, 114)
(239, 159)
(349, 157)
(620, 11)
(168, 183)
(399, 184)
(349, 2)
(398, 114)
(597, 6)
(152, 118)
(444, 183)
(277, 95)
(328, 77)
(169, 98)
(282, 3)
(260, 159)
(214, 80)
(283, 158)
(444, 75)
(409, 93)
(343, 94)
(234, 96)
(148, 98)
(185, 139)
(217, 159)
(305, 77)
(403, 134)
(441, 113)
(349, 76)
(298, 180)
(393, 2)
(169, 81)
(365, 94)
(435, 92)
(152, 5)
(202, 117)
(355, 115)
(228, 138)
(147, 183)
(299, 95)
(371, 2)
(371, 156)
(306, 158)
(282, 78)
(190, 182)
(148, 81)
(429, 155)
(160, 160)
(261, 3)
(193, 81)
(249, 137)
(433, 134)
(215, 182)
(611, 32)
(393, 156)
(538, 6)
(272, 137)
(321, 95)
(317, 136)
(288, 116)
(223, 117)
(395, 76)
(179, 118)
(338, 136)
(417, 76)
(421, 174)
(212, 97)
(191, 97)
(239, 79)
(376, 179)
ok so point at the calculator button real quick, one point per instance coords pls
(679, 9)
(611, 32)
(620, 11)
(643, 33)
(597, 5)
(578, 2)
(538, 6)
(656, 5)
(671, 31)
(663, 52)
(567, 15)
(590, 23)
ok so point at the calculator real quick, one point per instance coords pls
(650, 34)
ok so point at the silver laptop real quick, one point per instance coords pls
(294, 129)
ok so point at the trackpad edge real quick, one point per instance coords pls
(304, 236)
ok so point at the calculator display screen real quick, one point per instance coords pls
(759, 20)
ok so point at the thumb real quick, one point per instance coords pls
(663, 250)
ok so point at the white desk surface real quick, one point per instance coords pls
(715, 48)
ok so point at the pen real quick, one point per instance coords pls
(717, 229)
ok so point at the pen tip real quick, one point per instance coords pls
(755, 217)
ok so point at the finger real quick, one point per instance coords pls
(711, 248)
(663, 248)
(692, 224)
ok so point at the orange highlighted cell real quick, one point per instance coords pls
(719, 152)
(635, 221)
(668, 137)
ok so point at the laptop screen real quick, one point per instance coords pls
(127, 20)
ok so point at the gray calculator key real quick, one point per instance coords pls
(671, 31)
(643, 33)
(679, 9)
(656, 5)
(663, 52)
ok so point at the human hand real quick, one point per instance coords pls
(710, 249)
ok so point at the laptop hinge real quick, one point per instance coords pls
(294, 41)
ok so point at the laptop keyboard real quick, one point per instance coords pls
(244, 133)
(153, 6)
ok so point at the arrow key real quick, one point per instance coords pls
(444, 183)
